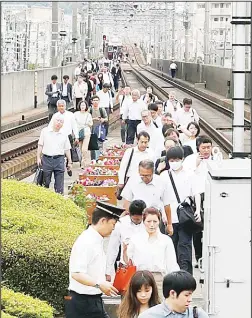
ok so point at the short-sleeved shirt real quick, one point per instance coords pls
(54, 143)
(87, 257)
(153, 194)
(162, 310)
(185, 184)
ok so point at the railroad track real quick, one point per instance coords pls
(21, 160)
(223, 142)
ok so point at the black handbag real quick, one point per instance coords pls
(75, 154)
(93, 142)
(39, 177)
(185, 211)
(119, 190)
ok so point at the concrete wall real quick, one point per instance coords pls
(215, 77)
(17, 88)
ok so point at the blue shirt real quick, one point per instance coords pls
(162, 311)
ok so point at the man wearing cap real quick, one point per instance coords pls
(88, 264)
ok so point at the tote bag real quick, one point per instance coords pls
(123, 277)
(93, 142)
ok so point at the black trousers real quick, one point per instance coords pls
(173, 72)
(183, 247)
(56, 166)
(131, 131)
(106, 124)
(197, 237)
(84, 306)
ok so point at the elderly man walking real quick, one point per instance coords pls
(53, 145)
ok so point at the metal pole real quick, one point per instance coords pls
(74, 30)
(224, 48)
(37, 45)
(186, 25)
(166, 32)
(239, 76)
(173, 30)
(206, 33)
(55, 17)
(89, 29)
(82, 34)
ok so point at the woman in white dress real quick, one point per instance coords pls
(152, 250)
(189, 135)
(84, 123)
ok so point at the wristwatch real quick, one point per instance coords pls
(97, 286)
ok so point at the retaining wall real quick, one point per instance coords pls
(215, 77)
(17, 88)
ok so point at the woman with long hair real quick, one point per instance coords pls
(84, 123)
(141, 295)
(99, 82)
(152, 250)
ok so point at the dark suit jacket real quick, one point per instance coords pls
(167, 167)
(49, 92)
(69, 91)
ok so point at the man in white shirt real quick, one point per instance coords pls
(106, 102)
(53, 145)
(197, 163)
(153, 108)
(87, 266)
(124, 98)
(107, 77)
(173, 68)
(156, 143)
(129, 225)
(140, 152)
(132, 116)
(148, 187)
(186, 114)
(185, 185)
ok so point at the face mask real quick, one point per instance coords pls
(176, 165)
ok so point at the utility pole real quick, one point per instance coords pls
(239, 71)
(37, 46)
(224, 47)
(74, 30)
(206, 33)
(186, 26)
(82, 34)
(55, 26)
(173, 30)
(166, 32)
(89, 29)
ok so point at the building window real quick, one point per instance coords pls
(228, 5)
(216, 19)
(226, 19)
(222, 5)
(201, 5)
(221, 32)
(215, 5)
(221, 18)
(221, 44)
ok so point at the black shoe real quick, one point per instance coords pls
(196, 266)
(70, 173)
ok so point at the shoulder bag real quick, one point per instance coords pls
(185, 212)
(119, 190)
(82, 130)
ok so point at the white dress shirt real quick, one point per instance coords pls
(169, 107)
(107, 78)
(158, 122)
(125, 101)
(153, 194)
(105, 99)
(201, 171)
(133, 111)
(64, 91)
(53, 143)
(173, 66)
(70, 125)
(185, 184)
(122, 232)
(80, 90)
(87, 257)
(156, 143)
(134, 165)
(184, 118)
(54, 89)
(153, 254)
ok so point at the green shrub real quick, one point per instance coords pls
(39, 228)
(24, 306)
(4, 315)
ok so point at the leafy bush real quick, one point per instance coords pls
(39, 228)
(24, 306)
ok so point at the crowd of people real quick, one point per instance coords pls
(165, 165)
